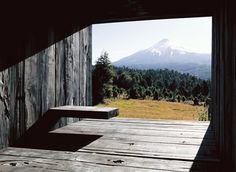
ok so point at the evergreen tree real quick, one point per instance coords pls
(134, 92)
(196, 101)
(148, 92)
(204, 88)
(196, 90)
(142, 92)
(103, 74)
(156, 95)
(124, 81)
(159, 84)
(115, 92)
(178, 98)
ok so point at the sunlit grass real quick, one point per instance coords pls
(152, 109)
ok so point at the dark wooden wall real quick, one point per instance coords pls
(224, 83)
(227, 42)
(58, 75)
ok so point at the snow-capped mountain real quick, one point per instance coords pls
(166, 54)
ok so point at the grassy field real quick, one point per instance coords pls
(151, 109)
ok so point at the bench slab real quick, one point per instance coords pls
(85, 112)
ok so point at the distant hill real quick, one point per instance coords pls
(165, 54)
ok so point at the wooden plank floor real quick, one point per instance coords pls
(118, 144)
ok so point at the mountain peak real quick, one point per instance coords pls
(165, 45)
(167, 55)
(164, 41)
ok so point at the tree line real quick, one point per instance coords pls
(157, 84)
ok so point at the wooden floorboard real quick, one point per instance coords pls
(122, 145)
(104, 130)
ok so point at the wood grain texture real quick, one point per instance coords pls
(39, 84)
(84, 112)
(52, 77)
(224, 31)
(112, 151)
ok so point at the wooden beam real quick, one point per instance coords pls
(84, 112)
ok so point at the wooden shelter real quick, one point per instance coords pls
(42, 67)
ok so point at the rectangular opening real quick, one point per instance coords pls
(161, 68)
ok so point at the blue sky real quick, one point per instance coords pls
(125, 38)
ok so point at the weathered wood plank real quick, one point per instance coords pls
(110, 130)
(84, 112)
(60, 97)
(86, 158)
(76, 75)
(39, 164)
(4, 113)
(47, 79)
(149, 148)
(126, 150)
(125, 121)
(86, 66)
(150, 139)
(147, 127)
(139, 136)
(39, 70)
(138, 121)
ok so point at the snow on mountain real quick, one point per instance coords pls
(166, 54)
(166, 46)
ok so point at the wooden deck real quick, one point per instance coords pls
(117, 144)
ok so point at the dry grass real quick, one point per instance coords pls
(152, 109)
